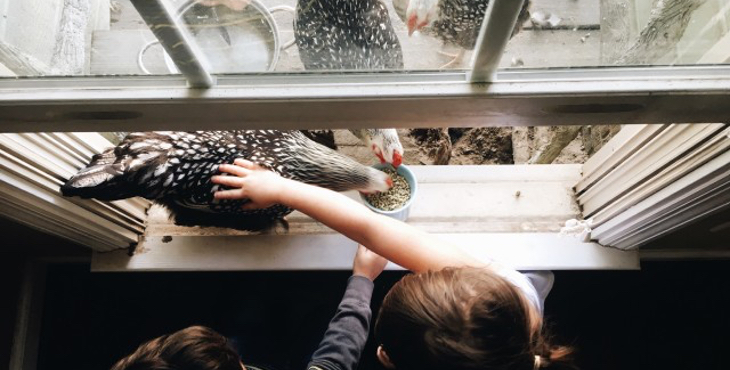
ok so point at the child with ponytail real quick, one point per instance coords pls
(454, 312)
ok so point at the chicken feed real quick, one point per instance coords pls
(396, 197)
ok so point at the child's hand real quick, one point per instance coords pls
(263, 187)
(368, 264)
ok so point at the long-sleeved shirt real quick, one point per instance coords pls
(345, 338)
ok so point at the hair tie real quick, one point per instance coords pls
(538, 362)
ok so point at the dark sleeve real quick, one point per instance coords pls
(345, 337)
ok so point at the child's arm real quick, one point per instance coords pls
(397, 241)
(345, 338)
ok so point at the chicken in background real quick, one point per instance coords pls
(346, 35)
(383, 143)
(337, 35)
(455, 22)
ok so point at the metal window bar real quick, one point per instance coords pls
(162, 19)
(499, 21)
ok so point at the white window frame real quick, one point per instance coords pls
(32, 169)
(650, 180)
(535, 97)
(481, 96)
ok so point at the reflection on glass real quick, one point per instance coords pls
(566, 33)
(109, 37)
(235, 37)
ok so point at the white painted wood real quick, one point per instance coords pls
(44, 160)
(702, 191)
(473, 206)
(631, 95)
(458, 199)
(708, 203)
(92, 141)
(32, 169)
(616, 151)
(669, 145)
(497, 173)
(335, 252)
(57, 212)
(70, 143)
(680, 167)
(653, 180)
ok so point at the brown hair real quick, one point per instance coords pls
(463, 318)
(192, 348)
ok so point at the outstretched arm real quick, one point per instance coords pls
(397, 241)
(345, 338)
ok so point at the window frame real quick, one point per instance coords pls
(401, 100)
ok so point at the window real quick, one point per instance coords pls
(104, 66)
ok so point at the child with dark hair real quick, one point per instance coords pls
(201, 348)
(454, 313)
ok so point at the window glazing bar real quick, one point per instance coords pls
(162, 19)
(315, 101)
(499, 21)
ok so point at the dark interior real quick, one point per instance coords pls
(668, 315)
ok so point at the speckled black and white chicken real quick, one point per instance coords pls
(456, 22)
(384, 143)
(175, 168)
(336, 35)
(346, 35)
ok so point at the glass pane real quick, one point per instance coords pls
(109, 37)
(568, 33)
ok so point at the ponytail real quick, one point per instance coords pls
(464, 319)
(549, 356)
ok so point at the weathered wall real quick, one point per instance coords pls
(56, 33)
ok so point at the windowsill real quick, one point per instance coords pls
(509, 213)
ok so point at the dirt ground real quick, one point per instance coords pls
(486, 145)
(469, 146)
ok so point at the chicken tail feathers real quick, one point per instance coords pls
(104, 179)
